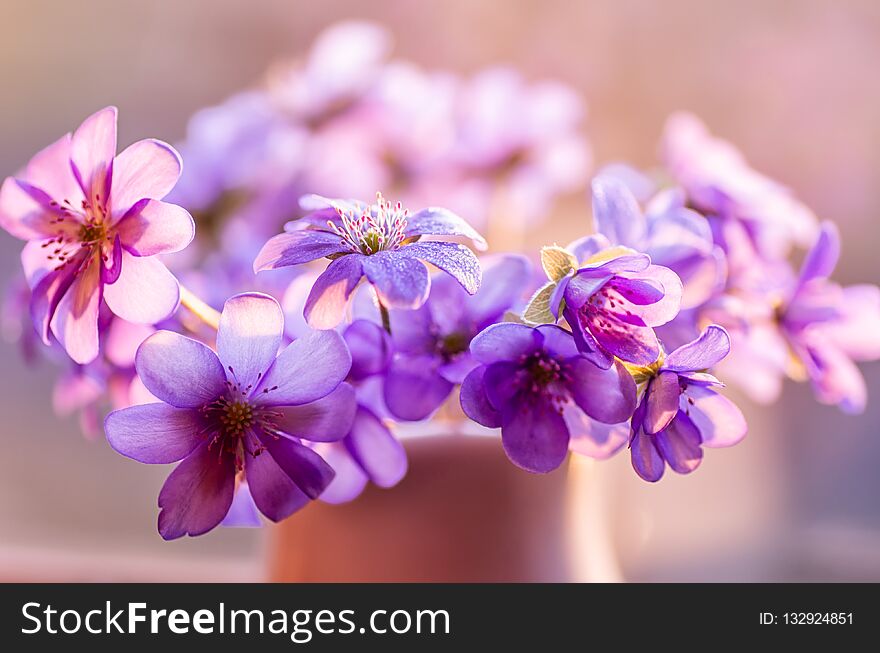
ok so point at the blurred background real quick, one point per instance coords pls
(793, 84)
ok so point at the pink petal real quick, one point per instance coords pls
(49, 170)
(21, 215)
(146, 169)
(145, 293)
(251, 326)
(720, 422)
(156, 228)
(93, 147)
(75, 323)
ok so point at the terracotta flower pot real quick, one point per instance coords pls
(463, 513)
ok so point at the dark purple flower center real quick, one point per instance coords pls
(81, 233)
(453, 344)
(376, 228)
(542, 376)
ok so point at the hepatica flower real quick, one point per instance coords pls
(94, 222)
(432, 344)
(681, 411)
(380, 242)
(535, 385)
(240, 413)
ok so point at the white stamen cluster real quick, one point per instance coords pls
(375, 228)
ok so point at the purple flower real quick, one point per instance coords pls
(673, 235)
(369, 452)
(680, 411)
(379, 242)
(535, 384)
(432, 343)
(94, 223)
(237, 413)
(614, 299)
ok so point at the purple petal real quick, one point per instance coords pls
(400, 281)
(145, 293)
(180, 371)
(110, 273)
(616, 212)
(251, 326)
(702, 353)
(588, 246)
(645, 458)
(534, 435)
(436, 221)
(585, 341)
(665, 309)
(326, 303)
(147, 169)
(197, 494)
(719, 421)
(376, 449)
(637, 291)
(156, 228)
(505, 341)
(154, 433)
(414, 388)
(370, 347)
(475, 402)
(350, 479)
(46, 296)
(303, 465)
(662, 398)
(75, 322)
(123, 340)
(275, 494)
(633, 344)
(631, 263)
(606, 395)
(591, 438)
(92, 149)
(243, 511)
(822, 258)
(293, 248)
(307, 369)
(324, 420)
(557, 341)
(579, 288)
(414, 331)
(505, 280)
(679, 444)
(454, 259)
(458, 368)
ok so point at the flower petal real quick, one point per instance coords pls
(679, 444)
(293, 248)
(307, 369)
(370, 347)
(49, 170)
(662, 397)
(350, 479)
(197, 495)
(666, 308)
(702, 353)
(645, 458)
(275, 494)
(822, 258)
(324, 420)
(591, 438)
(303, 465)
(21, 215)
(616, 212)
(147, 169)
(505, 341)
(243, 512)
(606, 395)
(376, 449)
(414, 388)
(75, 322)
(719, 421)
(92, 149)
(45, 297)
(180, 371)
(454, 259)
(475, 402)
(506, 279)
(326, 303)
(631, 343)
(436, 221)
(401, 281)
(156, 228)
(251, 326)
(145, 293)
(154, 433)
(588, 246)
(534, 435)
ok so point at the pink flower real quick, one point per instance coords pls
(94, 223)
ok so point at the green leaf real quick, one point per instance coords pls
(538, 309)
(557, 262)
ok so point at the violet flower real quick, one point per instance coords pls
(237, 413)
(432, 343)
(535, 384)
(681, 411)
(94, 223)
(379, 242)
(612, 301)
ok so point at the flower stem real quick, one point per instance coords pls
(199, 308)
(386, 318)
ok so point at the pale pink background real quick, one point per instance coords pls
(794, 84)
